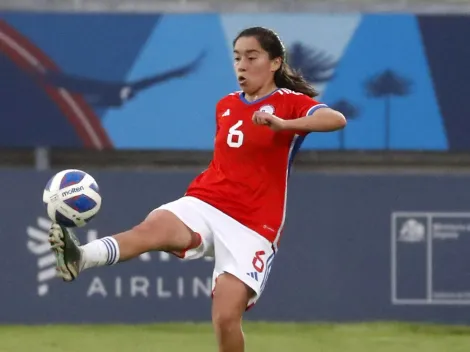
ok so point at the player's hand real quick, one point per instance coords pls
(273, 122)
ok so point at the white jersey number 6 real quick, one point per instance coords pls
(235, 136)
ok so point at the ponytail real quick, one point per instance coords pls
(288, 78)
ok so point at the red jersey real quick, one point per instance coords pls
(247, 177)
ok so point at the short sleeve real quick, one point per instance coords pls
(303, 105)
(306, 106)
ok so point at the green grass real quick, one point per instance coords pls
(380, 337)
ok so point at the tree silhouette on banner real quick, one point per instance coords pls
(315, 65)
(385, 85)
(350, 111)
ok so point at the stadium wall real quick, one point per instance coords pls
(356, 248)
(94, 80)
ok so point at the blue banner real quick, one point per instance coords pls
(151, 81)
(356, 248)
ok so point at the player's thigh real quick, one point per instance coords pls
(186, 219)
(243, 253)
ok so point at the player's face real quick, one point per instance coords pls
(253, 66)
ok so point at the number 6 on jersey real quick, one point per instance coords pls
(235, 137)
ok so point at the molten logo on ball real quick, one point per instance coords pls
(72, 191)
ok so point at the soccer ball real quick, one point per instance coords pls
(72, 198)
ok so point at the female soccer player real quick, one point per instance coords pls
(235, 210)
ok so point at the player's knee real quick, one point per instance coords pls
(226, 320)
(144, 230)
(162, 229)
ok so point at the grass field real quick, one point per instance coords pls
(383, 337)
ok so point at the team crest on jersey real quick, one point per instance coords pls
(267, 108)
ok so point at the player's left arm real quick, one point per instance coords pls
(308, 116)
(312, 116)
(319, 118)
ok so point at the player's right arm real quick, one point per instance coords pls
(221, 107)
(217, 115)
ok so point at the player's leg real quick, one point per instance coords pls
(174, 227)
(243, 260)
(230, 299)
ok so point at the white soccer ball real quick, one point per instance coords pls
(72, 198)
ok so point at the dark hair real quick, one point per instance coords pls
(285, 77)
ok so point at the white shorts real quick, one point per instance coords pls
(237, 250)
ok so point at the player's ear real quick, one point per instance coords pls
(276, 64)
